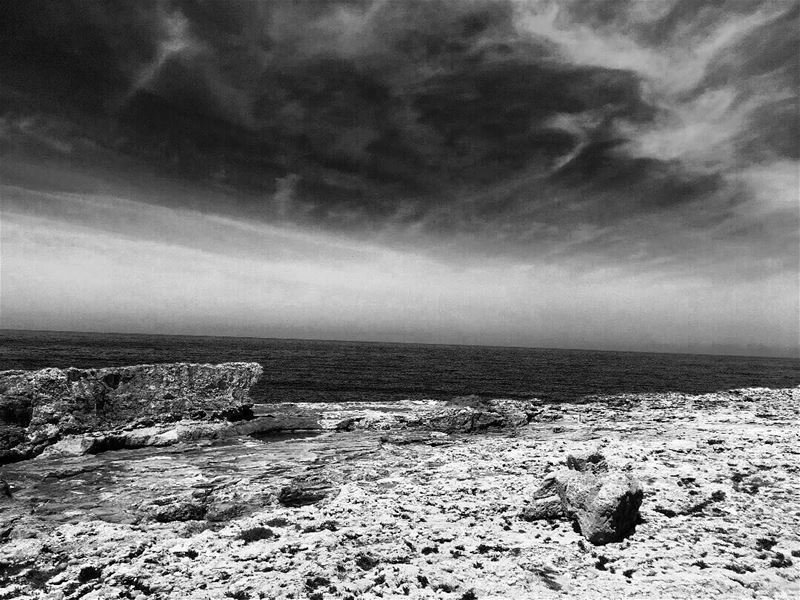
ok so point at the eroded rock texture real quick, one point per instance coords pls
(605, 507)
(466, 414)
(602, 502)
(39, 408)
(421, 515)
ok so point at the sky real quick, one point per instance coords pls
(614, 174)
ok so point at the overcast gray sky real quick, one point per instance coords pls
(607, 174)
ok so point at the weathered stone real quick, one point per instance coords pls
(5, 489)
(273, 423)
(545, 502)
(605, 507)
(472, 414)
(12, 439)
(39, 407)
(348, 424)
(305, 490)
(543, 508)
(225, 511)
(74, 445)
(591, 462)
(175, 509)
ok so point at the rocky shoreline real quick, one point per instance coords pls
(419, 500)
(73, 412)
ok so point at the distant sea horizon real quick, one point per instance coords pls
(310, 370)
(710, 349)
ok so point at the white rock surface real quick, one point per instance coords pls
(436, 518)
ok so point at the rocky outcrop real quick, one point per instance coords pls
(40, 408)
(604, 504)
(468, 414)
(474, 414)
(72, 412)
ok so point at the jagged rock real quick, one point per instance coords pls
(5, 489)
(305, 490)
(73, 445)
(12, 439)
(545, 503)
(605, 506)
(348, 424)
(37, 408)
(471, 414)
(225, 511)
(168, 510)
(274, 423)
(592, 462)
(370, 420)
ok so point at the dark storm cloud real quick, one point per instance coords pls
(492, 121)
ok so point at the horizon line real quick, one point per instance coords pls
(775, 352)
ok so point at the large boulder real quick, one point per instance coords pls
(605, 507)
(38, 408)
(603, 503)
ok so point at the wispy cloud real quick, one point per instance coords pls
(81, 264)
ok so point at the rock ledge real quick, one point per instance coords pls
(39, 408)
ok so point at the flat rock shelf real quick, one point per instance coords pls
(419, 501)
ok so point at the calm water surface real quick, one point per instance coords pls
(327, 371)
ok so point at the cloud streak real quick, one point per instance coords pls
(62, 269)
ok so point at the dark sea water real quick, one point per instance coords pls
(324, 371)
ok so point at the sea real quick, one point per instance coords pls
(337, 371)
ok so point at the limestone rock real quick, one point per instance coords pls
(225, 511)
(605, 507)
(545, 502)
(70, 446)
(305, 490)
(436, 519)
(177, 509)
(39, 407)
(592, 462)
(471, 414)
(274, 423)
